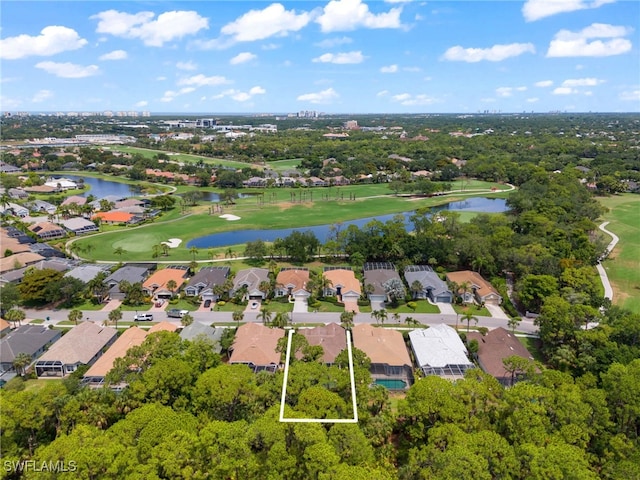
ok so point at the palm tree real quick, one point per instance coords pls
(157, 248)
(75, 315)
(265, 286)
(165, 249)
(376, 315)
(396, 317)
(186, 320)
(15, 315)
(115, 315)
(21, 362)
(211, 253)
(265, 315)
(416, 288)
(172, 285)
(347, 320)
(468, 317)
(382, 315)
(119, 251)
(193, 251)
(281, 320)
(323, 284)
(237, 316)
(513, 324)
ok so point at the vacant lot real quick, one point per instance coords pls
(623, 265)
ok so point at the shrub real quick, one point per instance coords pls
(363, 303)
(221, 303)
(412, 305)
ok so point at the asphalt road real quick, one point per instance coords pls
(526, 325)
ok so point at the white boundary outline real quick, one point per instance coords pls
(319, 420)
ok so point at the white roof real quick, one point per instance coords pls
(438, 346)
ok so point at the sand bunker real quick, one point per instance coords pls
(173, 242)
(228, 216)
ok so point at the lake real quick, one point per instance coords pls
(476, 204)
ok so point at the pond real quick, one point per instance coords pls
(476, 204)
(100, 188)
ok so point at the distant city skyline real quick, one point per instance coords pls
(335, 57)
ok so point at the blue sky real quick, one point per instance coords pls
(338, 56)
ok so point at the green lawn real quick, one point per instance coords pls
(473, 309)
(137, 242)
(423, 306)
(623, 264)
(178, 157)
(281, 165)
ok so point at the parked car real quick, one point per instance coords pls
(143, 317)
(159, 303)
(175, 313)
(207, 303)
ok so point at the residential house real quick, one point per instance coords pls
(40, 206)
(47, 230)
(87, 272)
(113, 217)
(5, 327)
(493, 348)
(432, 286)
(41, 189)
(292, 282)
(204, 282)
(199, 330)
(378, 279)
(74, 200)
(471, 286)
(316, 182)
(19, 260)
(129, 273)
(61, 183)
(163, 326)
(30, 339)
(79, 225)
(344, 285)
(156, 285)
(18, 193)
(250, 279)
(390, 362)
(131, 337)
(16, 276)
(332, 338)
(255, 182)
(14, 209)
(6, 168)
(47, 251)
(255, 346)
(82, 345)
(10, 246)
(438, 350)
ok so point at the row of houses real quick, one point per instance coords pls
(437, 350)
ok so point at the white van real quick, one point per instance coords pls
(143, 317)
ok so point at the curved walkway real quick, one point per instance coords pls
(608, 290)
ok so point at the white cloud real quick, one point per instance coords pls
(508, 91)
(536, 9)
(41, 96)
(333, 42)
(580, 44)
(345, 15)
(186, 66)
(240, 96)
(156, 32)
(270, 46)
(340, 58)
(564, 91)
(53, 39)
(242, 58)
(200, 80)
(389, 69)
(8, 103)
(115, 55)
(533, 100)
(170, 95)
(271, 21)
(382, 93)
(161, 79)
(408, 100)
(141, 103)
(630, 95)
(544, 83)
(324, 96)
(582, 82)
(496, 53)
(68, 70)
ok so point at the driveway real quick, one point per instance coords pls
(496, 311)
(446, 308)
(111, 305)
(300, 305)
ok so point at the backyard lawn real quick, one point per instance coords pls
(623, 264)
